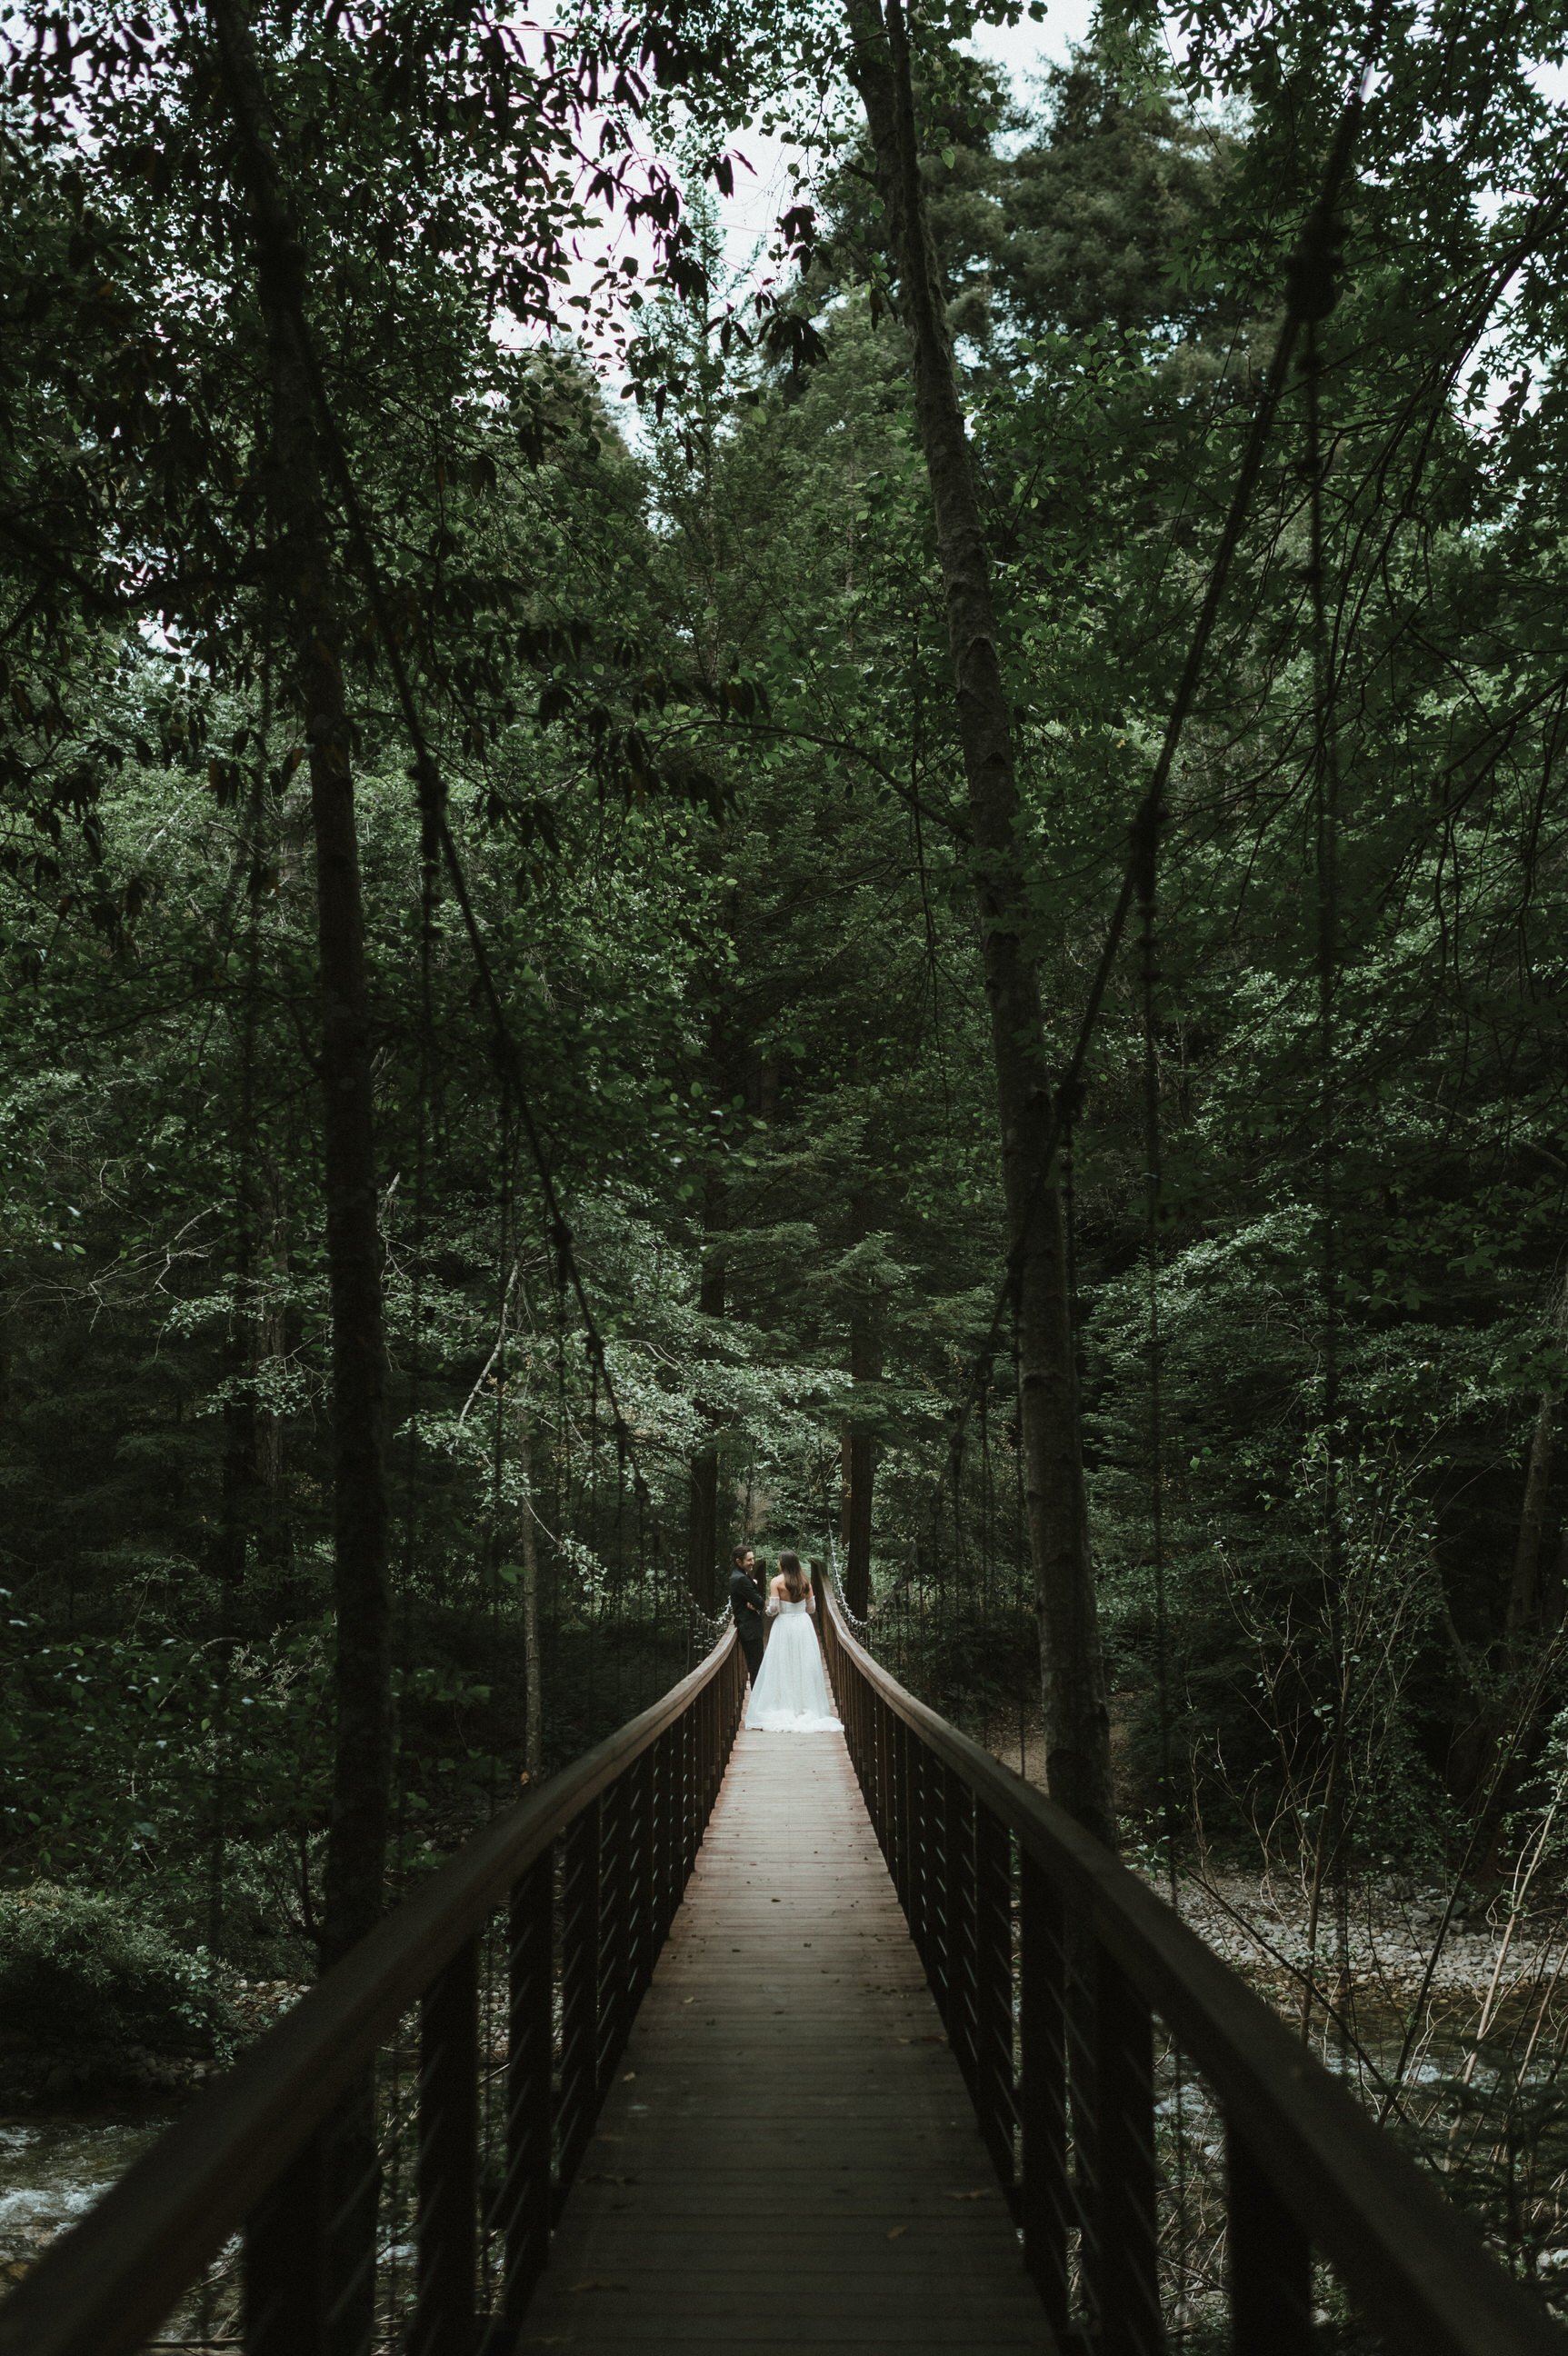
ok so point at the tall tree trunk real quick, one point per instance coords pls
(726, 1074)
(305, 574)
(1077, 1718)
(355, 1855)
(533, 1674)
(703, 1527)
(241, 1473)
(859, 1457)
(1523, 1605)
(1497, 1747)
(1521, 1617)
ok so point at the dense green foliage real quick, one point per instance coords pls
(69, 1958)
(689, 686)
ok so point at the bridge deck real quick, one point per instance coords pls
(788, 2160)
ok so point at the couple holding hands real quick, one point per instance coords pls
(789, 1689)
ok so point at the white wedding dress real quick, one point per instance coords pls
(791, 1696)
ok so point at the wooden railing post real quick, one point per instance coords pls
(579, 1989)
(1046, 2193)
(938, 1896)
(666, 1895)
(993, 2082)
(615, 1940)
(903, 1836)
(919, 1906)
(1124, 2254)
(447, 2224)
(688, 1795)
(524, 2205)
(886, 1825)
(284, 2272)
(959, 1905)
(647, 1929)
(1269, 2263)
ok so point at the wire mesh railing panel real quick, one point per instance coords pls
(1183, 2173)
(381, 2172)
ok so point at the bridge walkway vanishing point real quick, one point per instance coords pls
(790, 2159)
(655, 2062)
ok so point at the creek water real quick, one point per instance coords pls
(52, 2170)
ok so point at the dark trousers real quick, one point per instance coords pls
(752, 1646)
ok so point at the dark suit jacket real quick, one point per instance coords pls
(748, 1601)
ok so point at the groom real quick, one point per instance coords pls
(748, 1603)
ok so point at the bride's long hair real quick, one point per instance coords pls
(796, 1582)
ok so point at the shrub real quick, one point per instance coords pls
(78, 1970)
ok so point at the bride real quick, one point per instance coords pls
(791, 1695)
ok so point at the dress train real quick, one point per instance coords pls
(791, 1696)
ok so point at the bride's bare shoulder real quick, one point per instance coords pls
(778, 1586)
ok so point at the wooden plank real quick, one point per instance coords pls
(787, 2159)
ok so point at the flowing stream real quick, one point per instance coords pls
(52, 2170)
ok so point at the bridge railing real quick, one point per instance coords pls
(393, 2185)
(1053, 1966)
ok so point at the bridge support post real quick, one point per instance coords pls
(959, 1901)
(1047, 2195)
(529, 2123)
(706, 1746)
(917, 1906)
(688, 1772)
(993, 2093)
(1271, 2263)
(579, 1989)
(881, 1755)
(447, 2229)
(1125, 2255)
(642, 1867)
(666, 1838)
(616, 1870)
(902, 1742)
(285, 2261)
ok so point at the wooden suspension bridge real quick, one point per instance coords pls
(739, 2042)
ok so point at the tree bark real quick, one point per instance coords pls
(702, 1529)
(861, 1454)
(1524, 1615)
(241, 1475)
(1499, 1740)
(1523, 1606)
(1077, 1718)
(305, 571)
(859, 1458)
(533, 1674)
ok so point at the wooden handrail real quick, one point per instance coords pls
(1049, 1959)
(109, 2282)
(1414, 2265)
